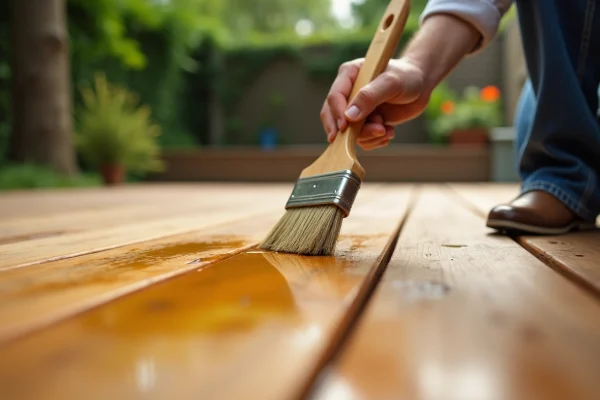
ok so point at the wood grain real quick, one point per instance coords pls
(256, 324)
(463, 314)
(40, 294)
(218, 209)
(118, 207)
(19, 204)
(25, 229)
(575, 255)
(43, 202)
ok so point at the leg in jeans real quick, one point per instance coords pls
(558, 134)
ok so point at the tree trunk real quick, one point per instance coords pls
(41, 85)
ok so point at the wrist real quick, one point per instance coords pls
(440, 44)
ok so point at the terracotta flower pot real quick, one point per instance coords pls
(469, 137)
(112, 174)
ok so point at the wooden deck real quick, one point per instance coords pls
(157, 291)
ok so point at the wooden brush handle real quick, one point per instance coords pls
(341, 153)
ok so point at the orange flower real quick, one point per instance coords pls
(447, 107)
(490, 93)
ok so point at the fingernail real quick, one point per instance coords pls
(353, 112)
(340, 122)
(330, 137)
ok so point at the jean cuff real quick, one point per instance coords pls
(568, 199)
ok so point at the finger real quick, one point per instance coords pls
(395, 114)
(328, 122)
(337, 104)
(383, 88)
(371, 130)
(374, 144)
(387, 137)
(374, 127)
(341, 88)
(377, 140)
(375, 117)
(387, 87)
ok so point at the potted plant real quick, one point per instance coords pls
(466, 119)
(115, 134)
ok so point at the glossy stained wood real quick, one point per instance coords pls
(255, 324)
(37, 295)
(463, 314)
(576, 255)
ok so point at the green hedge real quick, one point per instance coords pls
(30, 176)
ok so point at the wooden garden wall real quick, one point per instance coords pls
(299, 121)
(409, 159)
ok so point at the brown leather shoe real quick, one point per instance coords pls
(536, 212)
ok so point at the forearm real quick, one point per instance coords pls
(439, 45)
(451, 30)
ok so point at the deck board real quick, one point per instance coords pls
(54, 213)
(15, 205)
(576, 255)
(106, 293)
(39, 294)
(193, 332)
(28, 228)
(464, 314)
(44, 293)
(213, 208)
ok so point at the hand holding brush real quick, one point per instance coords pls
(325, 192)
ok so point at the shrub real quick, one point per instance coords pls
(30, 176)
(113, 129)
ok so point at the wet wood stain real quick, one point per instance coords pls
(38, 295)
(187, 324)
(229, 297)
(113, 269)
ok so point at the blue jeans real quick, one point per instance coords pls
(558, 131)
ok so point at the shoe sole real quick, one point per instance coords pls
(503, 225)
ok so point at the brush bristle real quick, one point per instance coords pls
(306, 230)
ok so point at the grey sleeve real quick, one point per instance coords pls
(483, 15)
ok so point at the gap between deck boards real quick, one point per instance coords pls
(357, 309)
(558, 266)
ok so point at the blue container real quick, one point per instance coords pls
(268, 138)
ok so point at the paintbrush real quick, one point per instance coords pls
(325, 191)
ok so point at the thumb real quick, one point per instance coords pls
(383, 88)
(387, 87)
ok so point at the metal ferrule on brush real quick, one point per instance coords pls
(337, 188)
